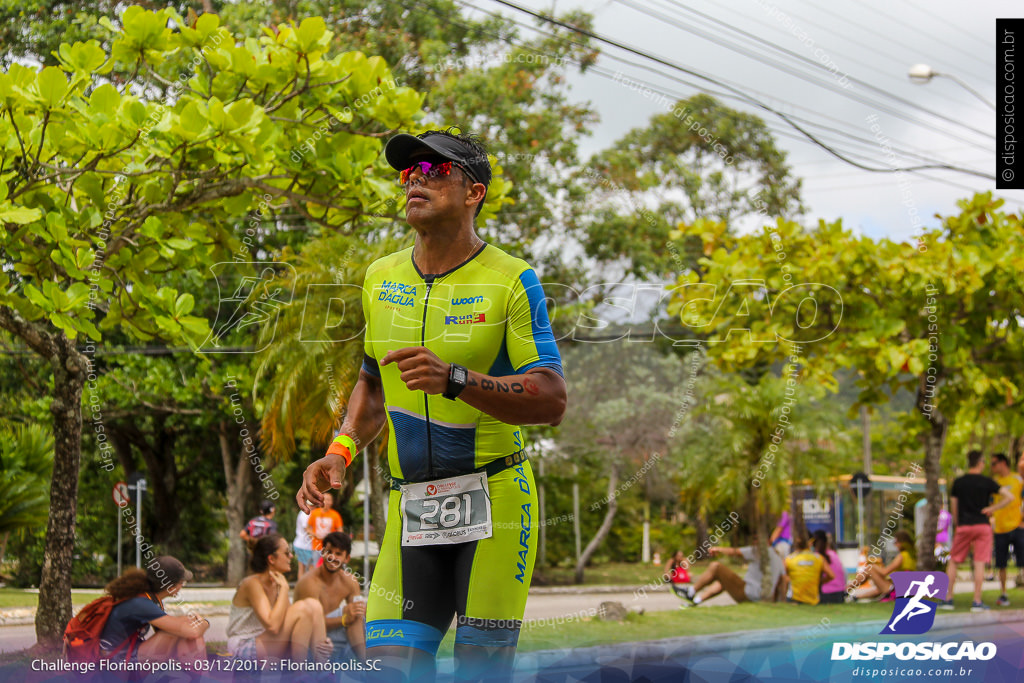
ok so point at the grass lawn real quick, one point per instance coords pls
(17, 597)
(708, 620)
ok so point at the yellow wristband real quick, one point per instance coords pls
(344, 446)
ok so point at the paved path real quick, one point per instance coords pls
(546, 605)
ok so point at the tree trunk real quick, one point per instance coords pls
(700, 524)
(158, 455)
(606, 525)
(761, 547)
(1016, 448)
(796, 511)
(54, 612)
(934, 439)
(236, 474)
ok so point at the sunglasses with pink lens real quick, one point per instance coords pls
(429, 169)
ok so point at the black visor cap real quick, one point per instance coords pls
(400, 149)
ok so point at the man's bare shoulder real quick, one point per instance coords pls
(351, 584)
(308, 586)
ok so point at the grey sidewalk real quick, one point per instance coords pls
(198, 599)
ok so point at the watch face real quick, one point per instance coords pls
(459, 374)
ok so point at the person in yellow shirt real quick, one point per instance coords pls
(905, 561)
(805, 569)
(1006, 522)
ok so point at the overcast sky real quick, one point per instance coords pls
(871, 43)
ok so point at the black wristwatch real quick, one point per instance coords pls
(457, 378)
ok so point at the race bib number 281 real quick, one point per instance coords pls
(446, 511)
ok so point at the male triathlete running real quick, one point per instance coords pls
(458, 353)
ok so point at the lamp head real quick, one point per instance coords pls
(921, 73)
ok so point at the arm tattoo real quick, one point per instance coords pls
(528, 386)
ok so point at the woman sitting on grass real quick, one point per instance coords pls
(905, 561)
(262, 624)
(677, 573)
(140, 595)
(834, 590)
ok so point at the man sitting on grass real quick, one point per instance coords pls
(338, 593)
(717, 577)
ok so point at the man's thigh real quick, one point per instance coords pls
(1002, 549)
(1017, 540)
(982, 543)
(411, 600)
(732, 583)
(963, 539)
(417, 590)
(493, 577)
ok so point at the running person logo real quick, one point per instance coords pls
(913, 612)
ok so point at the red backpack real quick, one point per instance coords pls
(82, 635)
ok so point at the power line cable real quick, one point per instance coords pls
(958, 29)
(847, 21)
(744, 96)
(790, 53)
(748, 98)
(596, 69)
(928, 36)
(838, 53)
(782, 132)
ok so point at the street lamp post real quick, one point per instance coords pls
(922, 73)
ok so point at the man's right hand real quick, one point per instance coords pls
(326, 473)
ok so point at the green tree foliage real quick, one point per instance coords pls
(744, 444)
(702, 160)
(315, 350)
(103, 192)
(478, 74)
(940, 318)
(26, 459)
(624, 398)
(34, 30)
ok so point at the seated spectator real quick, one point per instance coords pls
(677, 573)
(141, 593)
(905, 561)
(262, 624)
(339, 595)
(717, 577)
(833, 590)
(805, 569)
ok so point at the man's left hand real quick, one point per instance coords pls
(421, 369)
(355, 610)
